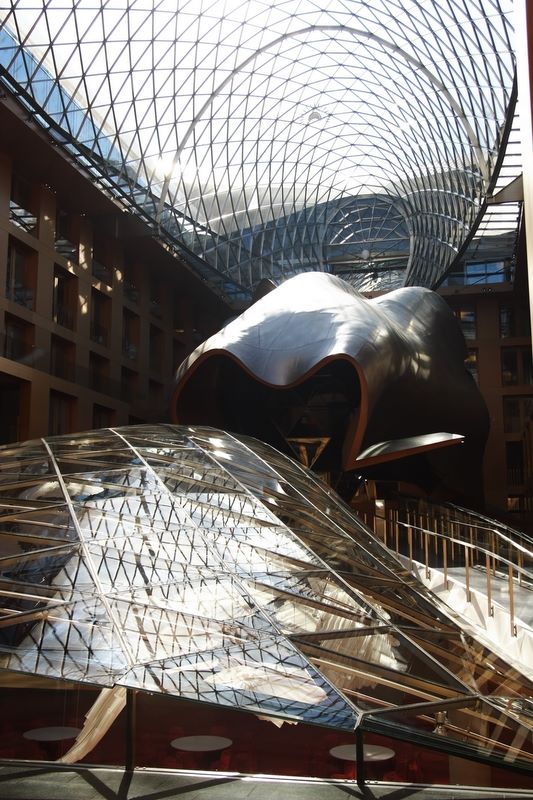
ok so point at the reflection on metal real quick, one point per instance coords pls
(401, 448)
(315, 360)
(193, 563)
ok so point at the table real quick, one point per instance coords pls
(371, 752)
(201, 744)
(53, 733)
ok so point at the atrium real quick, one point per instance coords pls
(183, 604)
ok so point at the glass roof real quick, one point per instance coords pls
(262, 139)
(190, 562)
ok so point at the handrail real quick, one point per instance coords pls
(446, 537)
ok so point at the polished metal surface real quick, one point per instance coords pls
(315, 359)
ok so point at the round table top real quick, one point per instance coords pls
(201, 744)
(53, 733)
(371, 752)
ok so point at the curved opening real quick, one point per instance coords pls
(308, 420)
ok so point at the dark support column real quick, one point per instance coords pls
(359, 758)
(131, 728)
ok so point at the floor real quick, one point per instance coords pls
(49, 782)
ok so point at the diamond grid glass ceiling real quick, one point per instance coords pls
(244, 132)
(189, 562)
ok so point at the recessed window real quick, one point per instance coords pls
(65, 298)
(21, 204)
(61, 413)
(130, 335)
(156, 348)
(99, 373)
(100, 317)
(19, 340)
(101, 267)
(507, 322)
(66, 241)
(62, 358)
(471, 364)
(103, 417)
(514, 459)
(516, 412)
(467, 321)
(21, 274)
(516, 366)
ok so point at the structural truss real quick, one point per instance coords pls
(189, 562)
(264, 139)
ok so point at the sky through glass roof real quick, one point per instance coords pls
(241, 131)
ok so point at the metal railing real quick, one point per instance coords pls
(447, 537)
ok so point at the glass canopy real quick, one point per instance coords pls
(192, 563)
(262, 139)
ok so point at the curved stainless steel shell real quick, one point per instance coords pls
(315, 366)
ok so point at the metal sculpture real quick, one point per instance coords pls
(318, 370)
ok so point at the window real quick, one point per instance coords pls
(100, 317)
(507, 322)
(21, 205)
(62, 358)
(516, 503)
(21, 274)
(155, 397)
(487, 272)
(516, 412)
(66, 243)
(19, 340)
(131, 292)
(100, 264)
(467, 321)
(516, 364)
(129, 384)
(103, 417)
(98, 373)
(156, 348)
(130, 335)
(514, 459)
(65, 297)
(471, 364)
(155, 299)
(61, 412)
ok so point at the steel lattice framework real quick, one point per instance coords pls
(194, 563)
(263, 139)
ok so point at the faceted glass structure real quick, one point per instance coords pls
(188, 562)
(263, 139)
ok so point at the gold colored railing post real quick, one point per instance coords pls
(488, 571)
(467, 575)
(445, 562)
(410, 545)
(511, 601)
